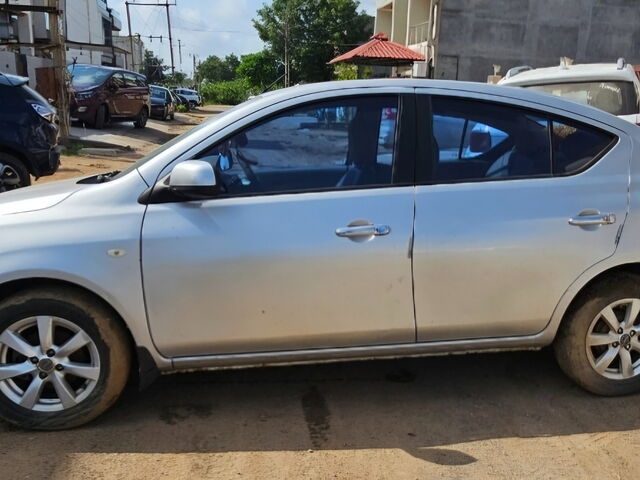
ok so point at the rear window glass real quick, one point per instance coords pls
(157, 92)
(617, 98)
(576, 146)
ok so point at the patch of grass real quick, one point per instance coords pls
(72, 149)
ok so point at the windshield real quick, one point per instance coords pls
(85, 76)
(617, 98)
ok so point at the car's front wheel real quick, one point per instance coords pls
(598, 344)
(13, 173)
(64, 359)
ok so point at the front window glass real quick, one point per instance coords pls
(337, 144)
(86, 76)
(617, 98)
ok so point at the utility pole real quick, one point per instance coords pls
(60, 69)
(133, 62)
(287, 73)
(173, 66)
(166, 4)
(180, 51)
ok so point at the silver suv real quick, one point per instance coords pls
(289, 230)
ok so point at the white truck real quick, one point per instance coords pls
(612, 87)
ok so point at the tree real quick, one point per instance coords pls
(306, 34)
(153, 67)
(178, 79)
(260, 69)
(214, 69)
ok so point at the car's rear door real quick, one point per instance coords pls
(515, 202)
(307, 249)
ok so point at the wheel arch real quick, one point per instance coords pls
(143, 366)
(20, 155)
(632, 268)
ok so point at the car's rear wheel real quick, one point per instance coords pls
(101, 117)
(64, 359)
(13, 173)
(598, 344)
(141, 119)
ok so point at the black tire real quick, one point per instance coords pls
(570, 346)
(13, 173)
(101, 117)
(109, 338)
(173, 115)
(141, 119)
(165, 114)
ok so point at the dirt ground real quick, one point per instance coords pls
(493, 416)
(511, 416)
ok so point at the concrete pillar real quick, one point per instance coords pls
(399, 22)
(25, 32)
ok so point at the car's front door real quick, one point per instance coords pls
(307, 248)
(515, 204)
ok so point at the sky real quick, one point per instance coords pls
(204, 27)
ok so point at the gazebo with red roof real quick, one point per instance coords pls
(380, 51)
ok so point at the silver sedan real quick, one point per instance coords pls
(337, 221)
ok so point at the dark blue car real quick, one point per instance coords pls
(28, 134)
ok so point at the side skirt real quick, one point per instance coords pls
(327, 355)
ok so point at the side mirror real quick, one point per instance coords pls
(112, 87)
(194, 179)
(479, 142)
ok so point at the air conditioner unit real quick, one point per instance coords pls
(420, 70)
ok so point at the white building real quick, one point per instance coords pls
(412, 23)
(91, 31)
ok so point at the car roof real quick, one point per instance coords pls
(507, 92)
(158, 86)
(104, 67)
(9, 80)
(573, 73)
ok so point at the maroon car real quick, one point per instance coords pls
(102, 94)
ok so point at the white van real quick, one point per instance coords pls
(612, 87)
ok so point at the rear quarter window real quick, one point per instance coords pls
(577, 146)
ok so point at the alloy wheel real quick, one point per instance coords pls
(612, 342)
(9, 177)
(47, 364)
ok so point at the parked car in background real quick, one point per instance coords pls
(102, 94)
(163, 105)
(612, 87)
(191, 96)
(287, 230)
(28, 134)
(179, 100)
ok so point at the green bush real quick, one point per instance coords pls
(181, 108)
(226, 93)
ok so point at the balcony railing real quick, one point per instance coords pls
(418, 33)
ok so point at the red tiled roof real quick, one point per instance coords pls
(379, 48)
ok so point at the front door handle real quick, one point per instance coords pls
(363, 231)
(595, 219)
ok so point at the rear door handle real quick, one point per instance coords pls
(589, 220)
(363, 231)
